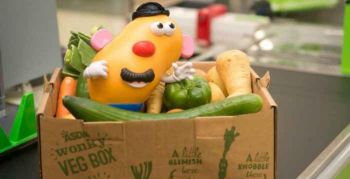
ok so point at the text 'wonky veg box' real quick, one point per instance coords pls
(201, 148)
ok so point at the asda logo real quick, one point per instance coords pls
(79, 153)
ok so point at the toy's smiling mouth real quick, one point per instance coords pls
(137, 80)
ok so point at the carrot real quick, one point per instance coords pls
(67, 88)
(155, 101)
(234, 69)
(216, 93)
(214, 77)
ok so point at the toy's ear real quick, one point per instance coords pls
(100, 39)
(187, 47)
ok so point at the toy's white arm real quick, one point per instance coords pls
(96, 69)
(182, 72)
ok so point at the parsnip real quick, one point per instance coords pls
(216, 93)
(214, 77)
(155, 101)
(234, 69)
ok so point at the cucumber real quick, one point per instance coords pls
(82, 88)
(91, 111)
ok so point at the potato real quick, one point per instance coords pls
(234, 69)
(175, 110)
(214, 77)
(69, 116)
(201, 73)
(216, 93)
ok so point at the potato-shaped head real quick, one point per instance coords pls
(138, 57)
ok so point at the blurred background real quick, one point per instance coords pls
(310, 29)
(301, 43)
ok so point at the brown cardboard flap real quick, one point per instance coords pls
(44, 106)
(255, 77)
(46, 82)
(265, 80)
(48, 103)
(260, 85)
(267, 97)
(55, 80)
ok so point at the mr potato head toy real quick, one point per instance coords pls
(128, 67)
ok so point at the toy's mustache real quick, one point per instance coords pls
(129, 76)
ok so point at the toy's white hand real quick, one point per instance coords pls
(182, 72)
(96, 69)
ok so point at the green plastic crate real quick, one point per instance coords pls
(345, 173)
(300, 5)
(345, 65)
(24, 128)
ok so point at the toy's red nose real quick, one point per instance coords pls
(144, 48)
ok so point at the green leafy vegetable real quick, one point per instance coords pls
(86, 52)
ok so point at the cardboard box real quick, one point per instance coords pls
(201, 148)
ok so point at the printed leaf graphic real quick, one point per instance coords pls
(229, 138)
(143, 171)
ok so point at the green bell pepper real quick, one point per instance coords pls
(187, 93)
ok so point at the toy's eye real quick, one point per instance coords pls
(157, 28)
(171, 25)
(169, 28)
